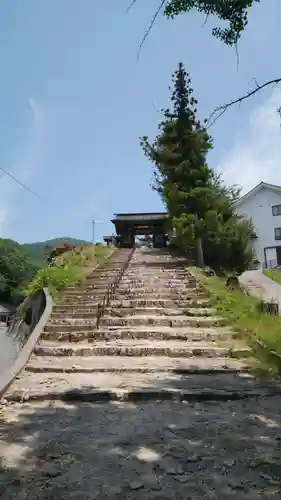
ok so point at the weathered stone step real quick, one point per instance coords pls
(150, 319)
(163, 303)
(112, 364)
(163, 294)
(160, 311)
(126, 386)
(173, 348)
(104, 274)
(84, 288)
(69, 309)
(78, 295)
(65, 324)
(158, 289)
(171, 300)
(126, 280)
(118, 312)
(155, 333)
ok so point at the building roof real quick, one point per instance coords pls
(142, 217)
(256, 189)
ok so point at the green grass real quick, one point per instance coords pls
(242, 313)
(70, 269)
(274, 274)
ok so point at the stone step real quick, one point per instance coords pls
(112, 364)
(156, 333)
(76, 295)
(158, 289)
(101, 287)
(66, 323)
(104, 273)
(160, 311)
(177, 349)
(127, 280)
(118, 312)
(83, 301)
(69, 309)
(150, 319)
(164, 294)
(141, 386)
(135, 303)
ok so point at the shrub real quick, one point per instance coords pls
(70, 268)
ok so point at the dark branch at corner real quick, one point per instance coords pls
(131, 5)
(220, 110)
(153, 20)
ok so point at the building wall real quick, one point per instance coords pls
(259, 208)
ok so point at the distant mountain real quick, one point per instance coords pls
(37, 251)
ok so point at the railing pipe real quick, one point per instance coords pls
(104, 302)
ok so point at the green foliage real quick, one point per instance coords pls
(243, 313)
(146, 241)
(54, 278)
(274, 274)
(197, 200)
(234, 12)
(23, 267)
(16, 270)
(70, 268)
(39, 251)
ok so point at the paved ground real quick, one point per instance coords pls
(260, 285)
(198, 451)
(8, 351)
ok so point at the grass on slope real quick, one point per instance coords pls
(70, 268)
(274, 274)
(39, 250)
(242, 313)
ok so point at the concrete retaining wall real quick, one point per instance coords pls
(24, 332)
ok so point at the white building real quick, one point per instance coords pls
(263, 205)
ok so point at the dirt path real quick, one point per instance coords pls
(145, 451)
(261, 286)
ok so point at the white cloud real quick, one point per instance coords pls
(23, 168)
(256, 157)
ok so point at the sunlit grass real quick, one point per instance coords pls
(274, 274)
(70, 268)
(243, 314)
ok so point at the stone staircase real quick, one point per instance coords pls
(159, 338)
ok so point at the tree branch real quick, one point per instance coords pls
(153, 20)
(220, 110)
(131, 5)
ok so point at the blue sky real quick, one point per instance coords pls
(74, 101)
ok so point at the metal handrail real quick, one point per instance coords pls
(104, 302)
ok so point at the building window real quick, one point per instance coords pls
(277, 233)
(276, 210)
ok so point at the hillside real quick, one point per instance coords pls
(20, 263)
(37, 251)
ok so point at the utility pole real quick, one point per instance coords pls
(93, 228)
(199, 248)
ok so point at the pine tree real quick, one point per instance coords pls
(182, 175)
(201, 207)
